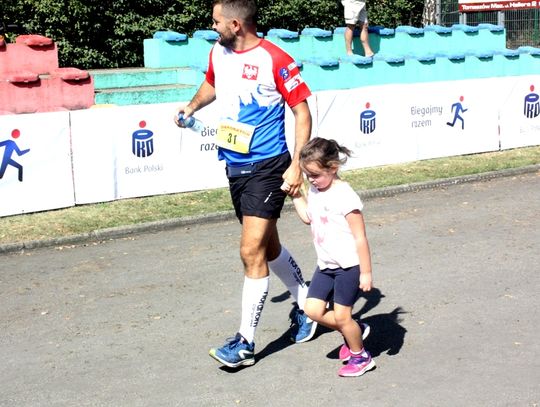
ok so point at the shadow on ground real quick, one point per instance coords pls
(387, 335)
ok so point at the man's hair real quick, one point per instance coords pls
(245, 10)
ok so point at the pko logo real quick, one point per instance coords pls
(367, 120)
(531, 106)
(142, 141)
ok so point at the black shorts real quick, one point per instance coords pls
(340, 285)
(256, 188)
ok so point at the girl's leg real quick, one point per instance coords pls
(317, 311)
(321, 286)
(360, 360)
(348, 327)
(346, 291)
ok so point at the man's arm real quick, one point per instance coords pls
(302, 128)
(204, 96)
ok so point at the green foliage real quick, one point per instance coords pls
(92, 34)
(296, 15)
(391, 14)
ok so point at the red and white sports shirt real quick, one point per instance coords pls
(252, 87)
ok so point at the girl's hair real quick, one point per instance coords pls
(324, 152)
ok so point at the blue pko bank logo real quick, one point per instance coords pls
(142, 141)
(367, 120)
(531, 106)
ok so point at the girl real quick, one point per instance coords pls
(334, 211)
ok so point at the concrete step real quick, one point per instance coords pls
(138, 95)
(33, 53)
(61, 89)
(136, 77)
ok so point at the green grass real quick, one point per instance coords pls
(87, 218)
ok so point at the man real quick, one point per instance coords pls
(252, 79)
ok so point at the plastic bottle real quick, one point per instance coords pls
(191, 123)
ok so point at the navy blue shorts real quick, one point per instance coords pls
(256, 188)
(344, 284)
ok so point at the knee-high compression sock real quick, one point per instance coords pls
(254, 295)
(290, 274)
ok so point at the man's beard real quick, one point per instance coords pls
(228, 42)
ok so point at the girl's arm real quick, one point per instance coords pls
(358, 228)
(300, 204)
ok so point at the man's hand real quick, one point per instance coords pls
(292, 180)
(186, 111)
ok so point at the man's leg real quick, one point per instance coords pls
(350, 14)
(253, 246)
(256, 233)
(287, 270)
(283, 265)
(349, 32)
(364, 39)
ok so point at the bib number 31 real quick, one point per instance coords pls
(235, 136)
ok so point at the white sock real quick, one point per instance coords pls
(361, 353)
(290, 274)
(254, 295)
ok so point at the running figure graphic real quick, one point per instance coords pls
(9, 148)
(457, 108)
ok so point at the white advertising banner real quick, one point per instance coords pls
(369, 122)
(35, 166)
(400, 123)
(132, 151)
(199, 164)
(520, 112)
(139, 151)
(135, 151)
(454, 118)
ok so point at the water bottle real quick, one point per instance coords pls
(191, 123)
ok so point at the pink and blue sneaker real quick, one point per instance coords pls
(357, 365)
(344, 351)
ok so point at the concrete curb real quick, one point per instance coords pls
(125, 231)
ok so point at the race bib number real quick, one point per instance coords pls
(234, 136)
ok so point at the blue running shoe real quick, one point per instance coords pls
(302, 327)
(236, 352)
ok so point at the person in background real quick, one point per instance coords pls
(252, 79)
(356, 14)
(334, 211)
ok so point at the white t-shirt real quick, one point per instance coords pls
(332, 236)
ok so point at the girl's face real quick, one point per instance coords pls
(320, 178)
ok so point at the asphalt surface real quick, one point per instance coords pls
(125, 317)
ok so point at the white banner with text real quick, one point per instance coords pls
(56, 160)
(400, 123)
